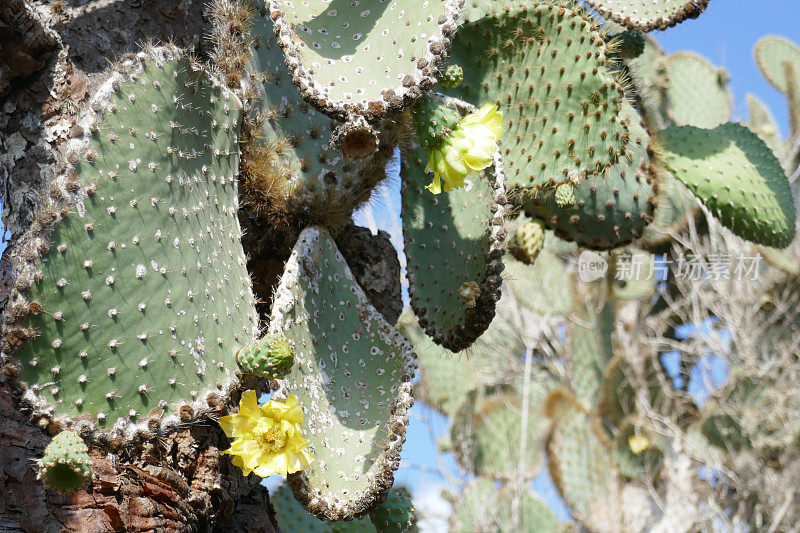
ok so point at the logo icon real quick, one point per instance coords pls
(591, 266)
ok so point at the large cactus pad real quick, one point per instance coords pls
(352, 374)
(695, 92)
(737, 177)
(547, 67)
(369, 58)
(143, 298)
(649, 15)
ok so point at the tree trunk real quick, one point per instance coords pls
(52, 56)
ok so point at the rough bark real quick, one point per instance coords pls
(52, 56)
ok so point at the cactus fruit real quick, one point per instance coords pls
(352, 374)
(737, 177)
(520, 57)
(142, 293)
(452, 77)
(580, 462)
(647, 15)
(630, 44)
(611, 211)
(528, 241)
(452, 239)
(270, 357)
(327, 47)
(433, 120)
(292, 176)
(695, 92)
(565, 196)
(395, 515)
(66, 465)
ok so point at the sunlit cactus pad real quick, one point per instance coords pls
(454, 248)
(352, 374)
(737, 177)
(143, 298)
(609, 211)
(546, 65)
(695, 92)
(649, 15)
(368, 57)
(779, 61)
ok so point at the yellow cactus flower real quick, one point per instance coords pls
(469, 147)
(268, 439)
(638, 443)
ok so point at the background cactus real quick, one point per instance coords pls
(128, 294)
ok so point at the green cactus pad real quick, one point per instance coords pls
(647, 15)
(612, 211)
(695, 92)
(270, 357)
(433, 120)
(352, 374)
(291, 172)
(291, 516)
(641, 465)
(142, 298)
(763, 123)
(362, 525)
(723, 431)
(630, 44)
(395, 515)
(779, 61)
(483, 507)
(547, 67)
(452, 77)
(643, 71)
(675, 206)
(635, 276)
(580, 462)
(590, 348)
(66, 465)
(364, 58)
(737, 177)
(454, 247)
(528, 241)
(543, 287)
(618, 395)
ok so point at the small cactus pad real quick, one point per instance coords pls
(352, 375)
(270, 357)
(452, 77)
(395, 515)
(737, 177)
(528, 241)
(546, 65)
(611, 211)
(143, 298)
(580, 462)
(454, 248)
(330, 49)
(695, 92)
(66, 465)
(291, 173)
(646, 15)
(779, 61)
(433, 120)
(763, 123)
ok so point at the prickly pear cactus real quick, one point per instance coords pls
(133, 298)
(521, 57)
(352, 374)
(454, 247)
(395, 515)
(612, 211)
(370, 59)
(737, 177)
(66, 465)
(646, 15)
(270, 357)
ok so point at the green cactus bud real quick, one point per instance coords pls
(630, 43)
(560, 100)
(565, 196)
(452, 77)
(352, 375)
(66, 465)
(452, 240)
(433, 120)
(528, 241)
(271, 357)
(646, 15)
(395, 515)
(754, 200)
